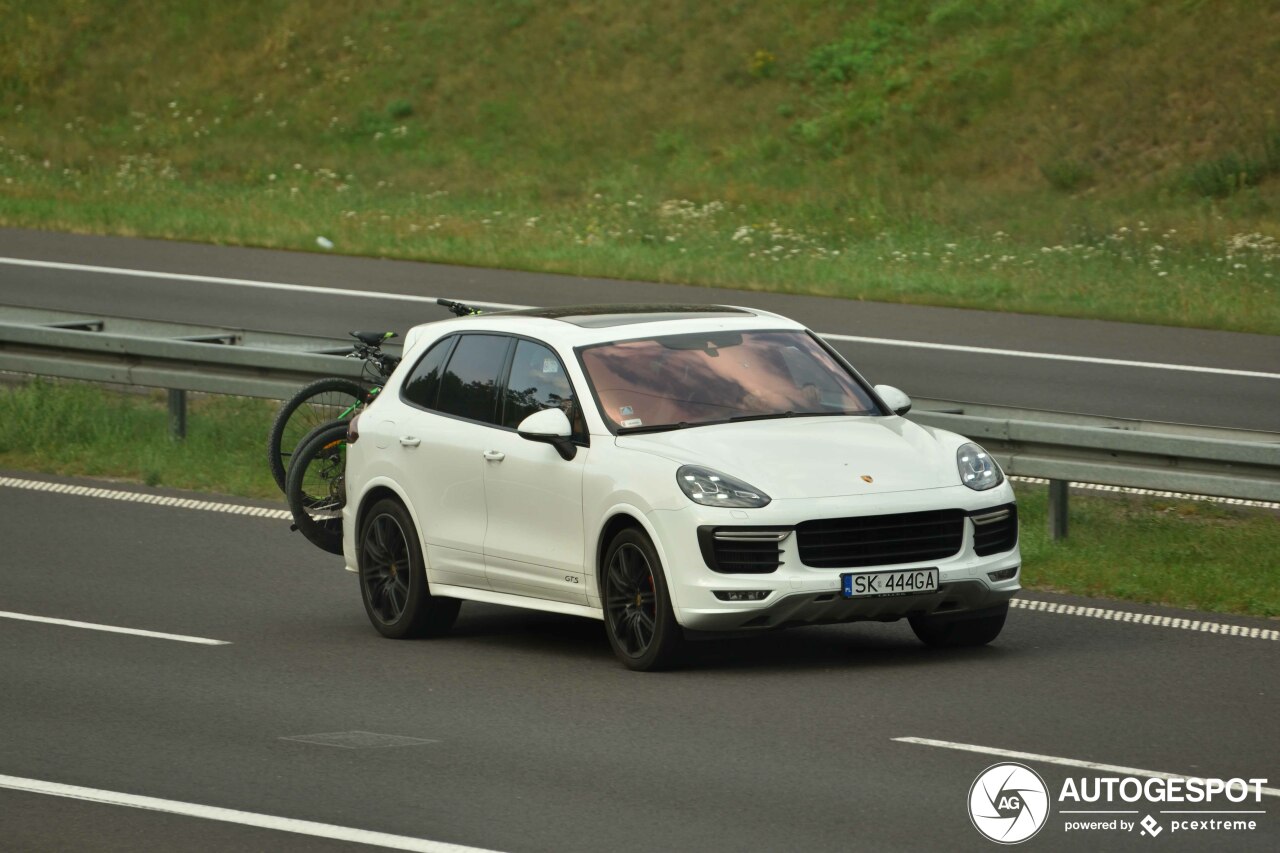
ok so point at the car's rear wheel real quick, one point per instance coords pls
(638, 616)
(956, 631)
(393, 578)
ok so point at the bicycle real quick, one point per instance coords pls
(314, 480)
(325, 400)
(316, 486)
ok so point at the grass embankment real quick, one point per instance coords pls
(1183, 553)
(1099, 158)
(80, 429)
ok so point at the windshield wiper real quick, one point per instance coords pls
(790, 414)
(661, 427)
(736, 418)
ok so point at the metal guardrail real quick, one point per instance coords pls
(166, 355)
(1115, 452)
(1055, 446)
(1226, 463)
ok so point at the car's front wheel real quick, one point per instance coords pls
(638, 616)
(393, 578)
(962, 630)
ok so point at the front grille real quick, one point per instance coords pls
(742, 550)
(995, 529)
(880, 540)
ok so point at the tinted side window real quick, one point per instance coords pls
(422, 387)
(470, 383)
(537, 382)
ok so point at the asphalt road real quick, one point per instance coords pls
(536, 739)
(1212, 392)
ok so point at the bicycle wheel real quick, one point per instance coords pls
(318, 403)
(316, 487)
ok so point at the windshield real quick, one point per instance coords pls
(712, 377)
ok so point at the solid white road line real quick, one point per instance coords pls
(262, 821)
(112, 629)
(1114, 362)
(239, 282)
(368, 294)
(1053, 759)
(1156, 620)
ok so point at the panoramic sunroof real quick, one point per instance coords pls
(603, 316)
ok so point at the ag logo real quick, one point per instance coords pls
(1008, 803)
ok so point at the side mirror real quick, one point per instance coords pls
(893, 398)
(550, 426)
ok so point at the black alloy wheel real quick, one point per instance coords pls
(385, 573)
(638, 616)
(393, 578)
(633, 610)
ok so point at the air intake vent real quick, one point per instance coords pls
(995, 529)
(742, 550)
(880, 540)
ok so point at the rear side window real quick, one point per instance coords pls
(423, 386)
(469, 385)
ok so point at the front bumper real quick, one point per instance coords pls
(798, 594)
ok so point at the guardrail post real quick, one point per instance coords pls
(1058, 509)
(177, 414)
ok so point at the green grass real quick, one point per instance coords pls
(1097, 158)
(79, 429)
(1186, 553)
(1181, 553)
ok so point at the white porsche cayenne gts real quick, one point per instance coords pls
(672, 471)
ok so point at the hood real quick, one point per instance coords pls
(814, 457)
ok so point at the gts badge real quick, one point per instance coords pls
(571, 579)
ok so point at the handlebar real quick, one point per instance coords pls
(457, 308)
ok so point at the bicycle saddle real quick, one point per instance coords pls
(372, 339)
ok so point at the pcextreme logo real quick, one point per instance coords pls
(1008, 803)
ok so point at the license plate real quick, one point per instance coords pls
(876, 584)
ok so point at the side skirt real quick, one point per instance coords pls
(488, 596)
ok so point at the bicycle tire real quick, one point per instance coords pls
(315, 405)
(316, 486)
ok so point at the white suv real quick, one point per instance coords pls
(670, 470)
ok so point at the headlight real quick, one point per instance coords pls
(978, 470)
(711, 488)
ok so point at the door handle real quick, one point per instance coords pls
(410, 441)
(494, 455)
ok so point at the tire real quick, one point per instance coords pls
(318, 403)
(316, 488)
(393, 577)
(638, 617)
(958, 631)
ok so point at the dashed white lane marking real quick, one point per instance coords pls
(112, 629)
(1054, 759)
(1146, 619)
(373, 294)
(285, 515)
(262, 821)
(143, 498)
